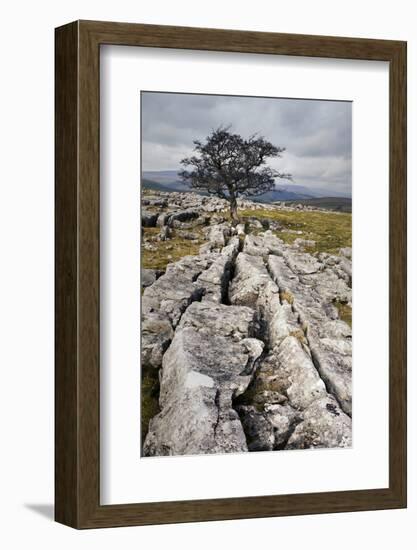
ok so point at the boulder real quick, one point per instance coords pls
(346, 252)
(162, 219)
(240, 229)
(324, 425)
(149, 218)
(218, 234)
(304, 243)
(270, 428)
(255, 246)
(215, 279)
(232, 322)
(333, 359)
(299, 379)
(148, 277)
(206, 248)
(170, 296)
(302, 263)
(165, 233)
(202, 371)
(329, 338)
(250, 276)
(182, 216)
(279, 320)
(156, 335)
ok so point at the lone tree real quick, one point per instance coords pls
(229, 166)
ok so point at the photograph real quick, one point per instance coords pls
(246, 274)
(189, 358)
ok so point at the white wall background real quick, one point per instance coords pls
(26, 289)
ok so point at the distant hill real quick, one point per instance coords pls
(163, 181)
(168, 181)
(156, 186)
(338, 204)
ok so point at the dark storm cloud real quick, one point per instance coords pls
(316, 134)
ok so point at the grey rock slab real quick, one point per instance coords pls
(346, 266)
(156, 335)
(278, 318)
(148, 277)
(165, 233)
(300, 379)
(156, 201)
(263, 244)
(149, 218)
(250, 276)
(254, 223)
(218, 234)
(282, 275)
(190, 236)
(346, 252)
(206, 248)
(274, 244)
(215, 279)
(255, 246)
(171, 294)
(286, 374)
(182, 216)
(304, 243)
(329, 286)
(302, 263)
(162, 219)
(240, 229)
(232, 322)
(268, 429)
(333, 359)
(232, 248)
(190, 266)
(324, 425)
(329, 339)
(201, 374)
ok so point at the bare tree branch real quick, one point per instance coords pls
(229, 166)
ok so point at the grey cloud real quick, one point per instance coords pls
(316, 134)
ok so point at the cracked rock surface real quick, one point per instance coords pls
(251, 350)
(210, 361)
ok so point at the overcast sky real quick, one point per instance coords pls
(317, 135)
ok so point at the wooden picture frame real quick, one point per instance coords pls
(77, 384)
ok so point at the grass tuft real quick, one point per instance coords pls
(299, 334)
(287, 296)
(345, 312)
(330, 230)
(168, 251)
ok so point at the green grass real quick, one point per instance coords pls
(149, 398)
(169, 251)
(330, 230)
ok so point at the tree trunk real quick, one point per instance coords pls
(233, 210)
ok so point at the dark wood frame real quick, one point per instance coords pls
(77, 274)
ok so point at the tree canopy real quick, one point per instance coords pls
(229, 166)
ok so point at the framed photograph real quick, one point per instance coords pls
(230, 274)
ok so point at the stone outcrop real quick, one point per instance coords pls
(209, 362)
(312, 296)
(149, 276)
(149, 219)
(252, 350)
